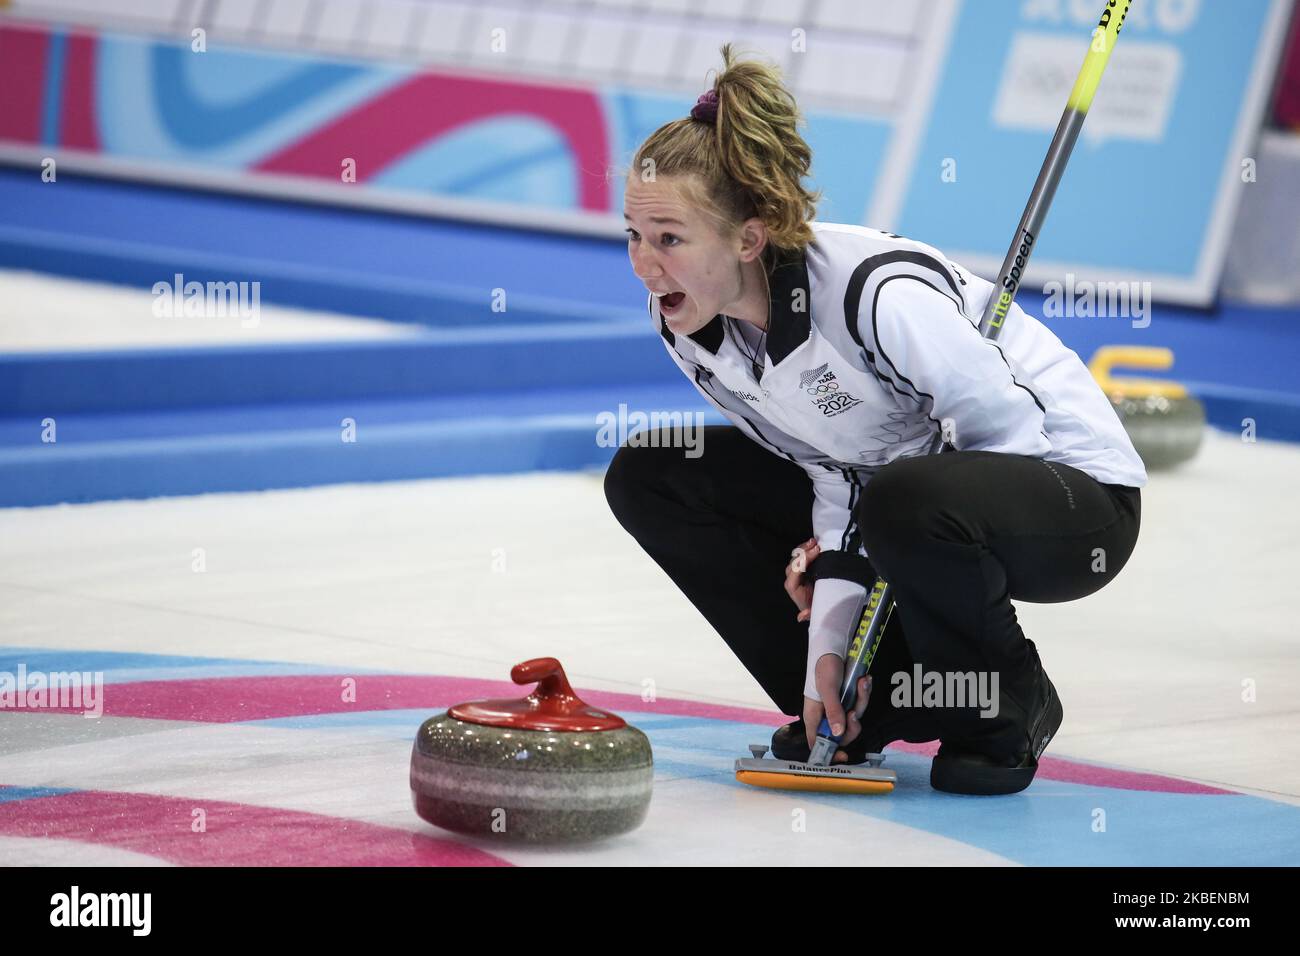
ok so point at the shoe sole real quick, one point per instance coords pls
(955, 775)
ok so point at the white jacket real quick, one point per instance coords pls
(872, 348)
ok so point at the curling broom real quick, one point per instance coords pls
(819, 774)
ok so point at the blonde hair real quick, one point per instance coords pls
(749, 162)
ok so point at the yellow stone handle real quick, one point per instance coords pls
(1134, 356)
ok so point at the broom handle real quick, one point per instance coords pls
(879, 604)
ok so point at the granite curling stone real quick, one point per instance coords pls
(1164, 422)
(544, 768)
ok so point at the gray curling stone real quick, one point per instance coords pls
(1164, 422)
(1165, 430)
(546, 768)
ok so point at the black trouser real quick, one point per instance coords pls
(957, 535)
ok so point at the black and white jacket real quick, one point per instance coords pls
(872, 348)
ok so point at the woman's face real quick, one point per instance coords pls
(679, 255)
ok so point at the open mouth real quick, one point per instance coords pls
(670, 302)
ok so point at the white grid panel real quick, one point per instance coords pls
(896, 18)
(550, 40)
(335, 25)
(843, 67)
(650, 57)
(156, 15)
(668, 7)
(861, 55)
(702, 50)
(440, 41)
(390, 25)
(235, 18)
(284, 21)
(778, 12)
(600, 49)
(496, 40)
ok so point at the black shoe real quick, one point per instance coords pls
(880, 727)
(967, 768)
(882, 723)
(791, 743)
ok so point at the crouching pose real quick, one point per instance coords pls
(838, 352)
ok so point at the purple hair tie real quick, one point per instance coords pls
(706, 107)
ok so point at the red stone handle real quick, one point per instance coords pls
(551, 706)
(547, 673)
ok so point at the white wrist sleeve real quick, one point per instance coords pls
(836, 609)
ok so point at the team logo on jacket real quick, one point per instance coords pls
(827, 395)
(810, 376)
